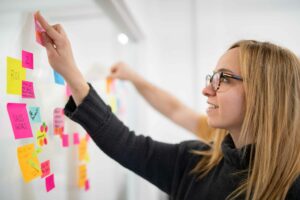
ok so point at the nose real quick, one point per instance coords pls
(208, 91)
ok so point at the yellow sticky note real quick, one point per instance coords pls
(82, 175)
(29, 163)
(112, 101)
(82, 149)
(15, 74)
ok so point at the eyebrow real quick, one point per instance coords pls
(224, 70)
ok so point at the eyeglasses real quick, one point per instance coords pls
(220, 77)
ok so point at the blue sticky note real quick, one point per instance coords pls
(34, 114)
(58, 78)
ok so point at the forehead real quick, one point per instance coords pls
(229, 61)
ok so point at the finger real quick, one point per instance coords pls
(52, 33)
(59, 29)
(48, 44)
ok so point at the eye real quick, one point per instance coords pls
(224, 80)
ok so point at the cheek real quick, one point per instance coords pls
(233, 108)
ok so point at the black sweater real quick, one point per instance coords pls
(167, 166)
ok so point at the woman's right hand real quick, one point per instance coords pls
(121, 70)
(58, 47)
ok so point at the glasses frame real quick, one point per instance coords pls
(209, 79)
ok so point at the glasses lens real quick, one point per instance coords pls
(207, 80)
(216, 80)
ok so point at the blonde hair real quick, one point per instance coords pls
(271, 79)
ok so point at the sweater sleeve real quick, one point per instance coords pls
(152, 160)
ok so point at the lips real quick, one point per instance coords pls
(212, 106)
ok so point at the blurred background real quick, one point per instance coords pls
(172, 43)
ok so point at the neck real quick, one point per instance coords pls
(235, 134)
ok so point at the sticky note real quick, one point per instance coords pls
(82, 149)
(87, 185)
(112, 101)
(38, 31)
(15, 74)
(58, 78)
(28, 162)
(50, 182)
(76, 138)
(27, 59)
(58, 121)
(65, 140)
(45, 167)
(27, 89)
(82, 175)
(19, 120)
(34, 114)
(108, 85)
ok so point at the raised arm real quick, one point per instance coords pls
(61, 58)
(164, 102)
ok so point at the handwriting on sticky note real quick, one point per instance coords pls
(19, 120)
(45, 167)
(15, 74)
(58, 78)
(82, 175)
(27, 59)
(65, 140)
(27, 90)
(28, 162)
(58, 121)
(50, 184)
(34, 114)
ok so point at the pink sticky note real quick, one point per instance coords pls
(68, 91)
(58, 121)
(87, 185)
(19, 120)
(76, 138)
(50, 182)
(45, 166)
(27, 90)
(38, 31)
(27, 59)
(87, 137)
(65, 140)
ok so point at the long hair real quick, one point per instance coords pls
(271, 79)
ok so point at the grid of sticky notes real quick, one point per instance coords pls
(84, 158)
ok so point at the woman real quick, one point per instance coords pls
(254, 93)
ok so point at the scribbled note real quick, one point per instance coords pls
(58, 121)
(50, 182)
(27, 59)
(82, 176)
(29, 163)
(45, 167)
(15, 74)
(58, 78)
(19, 120)
(34, 114)
(27, 89)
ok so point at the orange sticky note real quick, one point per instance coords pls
(108, 85)
(38, 31)
(29, 163)
(14, 76)
(82, 149)
(82, 176)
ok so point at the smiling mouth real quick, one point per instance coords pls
(212, 106)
